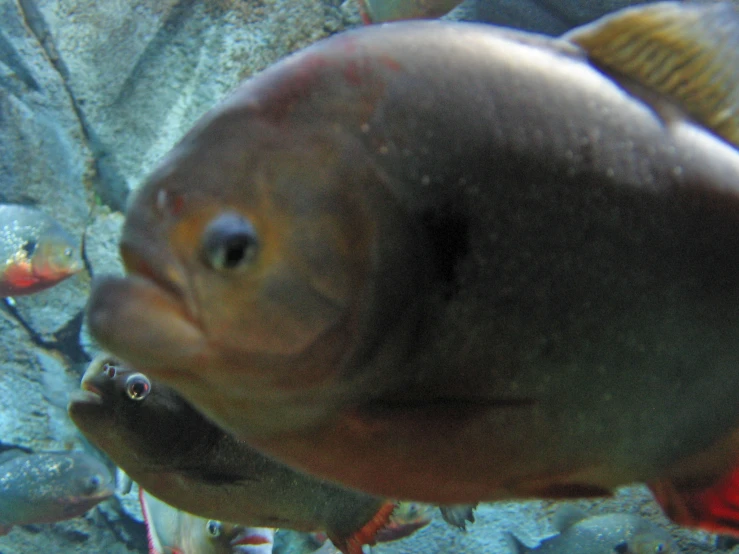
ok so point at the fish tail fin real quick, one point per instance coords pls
(364, 12)
(365, 535)
(714, 509)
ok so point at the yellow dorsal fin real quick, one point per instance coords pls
(687, 52)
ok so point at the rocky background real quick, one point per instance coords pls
(91, 95)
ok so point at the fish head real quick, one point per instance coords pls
(77, 482)
(89, 481)
(137, 423)
(55, 256)
(256, 267)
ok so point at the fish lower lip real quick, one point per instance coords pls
(251, 540)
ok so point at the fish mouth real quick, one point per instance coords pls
(251, 539)
(170, 278)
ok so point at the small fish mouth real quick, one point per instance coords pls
(137, 265)
(251, 540)
(169, 277)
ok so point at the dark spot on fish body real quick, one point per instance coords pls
(447, 230)
(29, 248)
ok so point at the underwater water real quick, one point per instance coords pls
(92, 96)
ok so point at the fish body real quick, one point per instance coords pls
(176, 454)
(451, 262)
(378, 11)
(173, 531)
(36, 252)
(46, 487)
(603, 534)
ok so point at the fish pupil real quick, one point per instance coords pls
(236, 250)
(137, 387)
(229, 242)
(214, 528)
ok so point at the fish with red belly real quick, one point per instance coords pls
(451, 262)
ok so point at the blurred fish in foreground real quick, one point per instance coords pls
(49, 486)
(35, 251)
(378, 11)
(600, 534)
(452, 262)
(176, 454)
(172, 531)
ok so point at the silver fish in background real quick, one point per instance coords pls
(171, 531)
(452, 262)
(36, 252)
(600, 534)
(46, 487)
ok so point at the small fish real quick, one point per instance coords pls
(46, 487)
(175, 453)
(35, 251)
(378, 11)
(600, 534)
(449, 262)
(172, 531)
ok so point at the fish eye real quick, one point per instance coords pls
(68, 252)
(214, 528)
(137, 387)
(94, 483)
(109, 370)
(660, 549)
(229, 242)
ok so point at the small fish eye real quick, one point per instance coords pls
(94, 483)
(137, 387)
(229, 242)
(660, 549)
(68, 252)
(109, 370)
(214, 528)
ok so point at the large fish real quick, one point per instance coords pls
(172, 531)
(451, 262)
(46, 487)
(600, 534)
(36, 252)
(173, 452)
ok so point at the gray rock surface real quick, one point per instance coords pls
(92, 94)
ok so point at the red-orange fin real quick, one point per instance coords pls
(364, 12)
(367, 534)
(714, 509)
